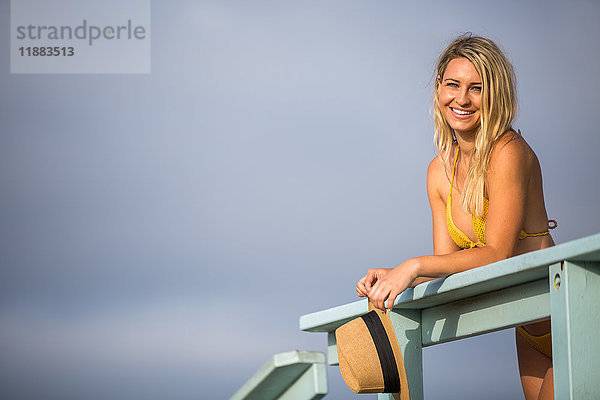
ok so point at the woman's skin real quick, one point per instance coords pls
(516, 201)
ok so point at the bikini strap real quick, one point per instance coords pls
(453, 170)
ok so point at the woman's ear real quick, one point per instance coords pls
(438, 83)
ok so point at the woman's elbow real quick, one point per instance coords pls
(499, 253)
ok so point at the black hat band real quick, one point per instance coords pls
(391, 380)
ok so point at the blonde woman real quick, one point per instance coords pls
(485, 192)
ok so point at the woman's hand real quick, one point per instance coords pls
(391, 284)
(363, 286)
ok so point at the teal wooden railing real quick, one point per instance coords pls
(294, 375)
(561, 282)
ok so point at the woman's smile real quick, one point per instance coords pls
(460, 113)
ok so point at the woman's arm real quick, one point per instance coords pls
(437, 179)
(507, 180)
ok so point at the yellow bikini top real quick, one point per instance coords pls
(463, 240)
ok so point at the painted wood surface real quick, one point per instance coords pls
(575, 304)
(298, 375)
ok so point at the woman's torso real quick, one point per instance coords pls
(536, 218)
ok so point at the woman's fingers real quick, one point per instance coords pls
(360, 289)
(368, 280)
(369, 286)
(364, 285)
(392, 300)
(387, 285)
(378, 295)
(373, 290)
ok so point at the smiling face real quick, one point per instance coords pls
(459, 94)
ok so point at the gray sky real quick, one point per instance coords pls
(161, 234)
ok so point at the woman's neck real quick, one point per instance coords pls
(466, 142)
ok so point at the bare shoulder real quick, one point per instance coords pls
(437, 176)
(436, 168)
(512, 151)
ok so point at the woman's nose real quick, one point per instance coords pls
(462, 98)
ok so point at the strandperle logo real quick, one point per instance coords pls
(80, 36)
(87, 32)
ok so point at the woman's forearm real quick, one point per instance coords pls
(419, 269)
(420, 280)
(439, 266)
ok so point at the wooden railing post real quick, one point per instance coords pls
(575, 313)
(294, 375)
(407, 326)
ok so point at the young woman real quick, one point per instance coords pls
(485, 192)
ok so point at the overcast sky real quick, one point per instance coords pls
(162, 234)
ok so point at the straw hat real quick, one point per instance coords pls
(370, 357)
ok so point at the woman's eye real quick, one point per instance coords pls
(476, 88)
(451, 84)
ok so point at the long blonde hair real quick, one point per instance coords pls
(498, 110)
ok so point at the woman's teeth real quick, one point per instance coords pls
(461, 112)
